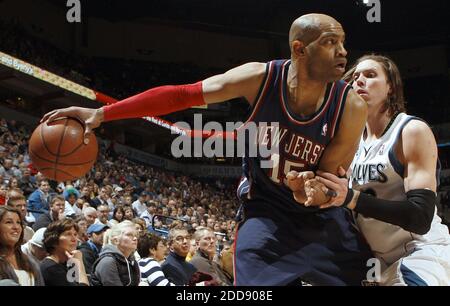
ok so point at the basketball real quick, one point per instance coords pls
(58, 151)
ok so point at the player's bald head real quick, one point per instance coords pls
(308, 28)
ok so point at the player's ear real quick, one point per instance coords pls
(298, 48)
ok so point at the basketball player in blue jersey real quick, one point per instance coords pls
(319, 120)
(393, 180)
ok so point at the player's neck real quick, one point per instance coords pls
(376, 125)
(306, 97)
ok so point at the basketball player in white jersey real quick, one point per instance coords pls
(393, 182)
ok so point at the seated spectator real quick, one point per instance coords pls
(60, 241)
(116, 266)
(139, 205)
(17, 200)
(103, 214)
(102, 198)
(175, 267)
(39, 199)
(90, 214)
(3, 192)
(148, 214)
(140, 226)
(82, 229)
(118, 215)
(192, 249)
(203, 259)
(14, 264)
(92, 248)
(35, 246)
(56, 213)
(71, 196)
(128, 213)
(152, 250)
(26, 183)
(226, 260)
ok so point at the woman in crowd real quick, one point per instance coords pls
(118, 215)
(64, 266)
(14, 264)
(152, 250)
(116, 265)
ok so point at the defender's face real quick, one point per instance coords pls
(370, 82)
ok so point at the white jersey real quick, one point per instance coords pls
(377, 171)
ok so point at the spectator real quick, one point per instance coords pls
(3, 192)
(56, 213)
(60, 241)
(128, 213)
(139, 206)
(71, 208)
(152, 250)
(175, 267)
(203, 260)
(35, 246)
(192, 249)
(90, 214)
(116, 266)
(39, 199)
(14, 264)
(148, 214)
(226, 260)
(118, 215)
(25, 184)
(102, 198)
(82, 229)
(17, 200)
(102, 214)
(92, 248)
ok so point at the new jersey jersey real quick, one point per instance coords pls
(376, 170)
(299, 142)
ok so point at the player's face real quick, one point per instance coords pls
(327, 55)
(370, 82)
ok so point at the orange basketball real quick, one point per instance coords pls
(58, 151)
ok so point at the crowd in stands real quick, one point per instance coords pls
(122, 224)
(106, 75)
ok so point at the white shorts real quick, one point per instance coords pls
(428, 265)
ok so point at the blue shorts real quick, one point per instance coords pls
(321, 248)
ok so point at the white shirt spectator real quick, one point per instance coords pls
(139, 207)
(68, 210)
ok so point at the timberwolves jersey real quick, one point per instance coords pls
(299, 141)
(376, 170)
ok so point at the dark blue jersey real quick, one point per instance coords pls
(299, 142)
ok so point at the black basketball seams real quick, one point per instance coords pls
(62, 171)
(43, 140)
(59, 145)
(62, 164)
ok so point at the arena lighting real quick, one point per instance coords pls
(44, 75)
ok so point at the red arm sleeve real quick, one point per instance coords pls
(156, 101)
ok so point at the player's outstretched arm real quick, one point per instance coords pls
(243, 81)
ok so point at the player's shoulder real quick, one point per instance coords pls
(415, 128)
(254, 67)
